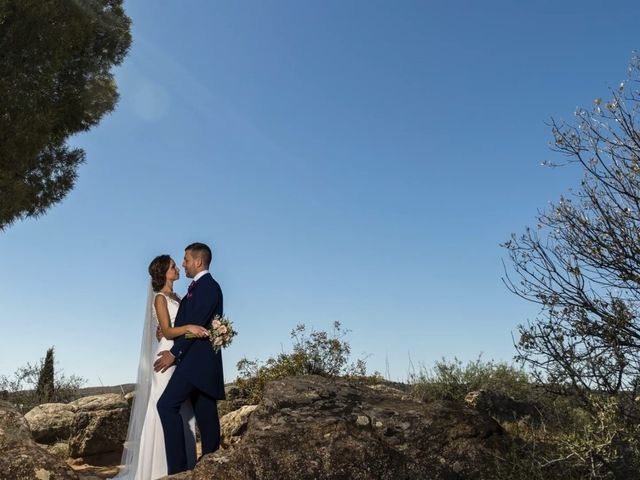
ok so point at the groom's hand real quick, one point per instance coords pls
(164, 362)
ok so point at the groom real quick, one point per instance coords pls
(198, 373)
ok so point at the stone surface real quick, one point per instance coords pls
(501, 406)
(105, 401)
(235, 398)
(179, 476)
(233, 424)
(58, 450)
(22, 457)
(50, 422)
(99, 428)
(314, 428)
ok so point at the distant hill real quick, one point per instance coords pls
(82, 392)
(124, 388)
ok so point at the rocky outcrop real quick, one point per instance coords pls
(22, 457)
(234, 424)
(99, 428)
(94, 427)
(235, 398)
(501, 406)
(314, 428)
(50, 422)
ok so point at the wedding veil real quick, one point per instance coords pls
(131, 453)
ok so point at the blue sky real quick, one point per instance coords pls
(357, 161)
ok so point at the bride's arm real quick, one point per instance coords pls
(162, 312)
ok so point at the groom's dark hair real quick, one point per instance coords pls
(202, 251)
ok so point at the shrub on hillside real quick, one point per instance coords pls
(314, 353)
(452, 380)
(22, 390)
(577, 445)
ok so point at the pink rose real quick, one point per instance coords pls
(218, 341)
(216, 324)
(222, 329)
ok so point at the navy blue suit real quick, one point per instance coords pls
(198, 376)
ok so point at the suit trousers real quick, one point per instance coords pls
(205, 408)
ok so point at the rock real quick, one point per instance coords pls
(363, 421)
(95, 427)
(232, 391)
(50, 422)
(99, 428)
(501, 406)
(233, 424)
(22, 457)
(178, 476)
(379, 387)
(312, 427)
(58, 450)
(235, 398)
(105, 401)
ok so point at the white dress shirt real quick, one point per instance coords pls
(200, 275)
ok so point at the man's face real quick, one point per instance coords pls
(190, 264)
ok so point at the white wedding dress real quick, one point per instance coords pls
(149, 462)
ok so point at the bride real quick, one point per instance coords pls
(144, 456)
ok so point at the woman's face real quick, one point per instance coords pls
(173, 273)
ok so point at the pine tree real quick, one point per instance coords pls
(46, 382)
(55, 81)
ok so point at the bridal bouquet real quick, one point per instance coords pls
(221, 333)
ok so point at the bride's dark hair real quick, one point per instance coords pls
(158, 271)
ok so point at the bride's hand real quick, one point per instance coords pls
(198, 331)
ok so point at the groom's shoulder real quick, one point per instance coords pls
(211, 281)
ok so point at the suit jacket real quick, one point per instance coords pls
(195, 358)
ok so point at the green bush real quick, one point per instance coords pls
(600, 446)
(314, 353)
(604, 444)
(574, 440)
(22, 388)
(452, 380)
